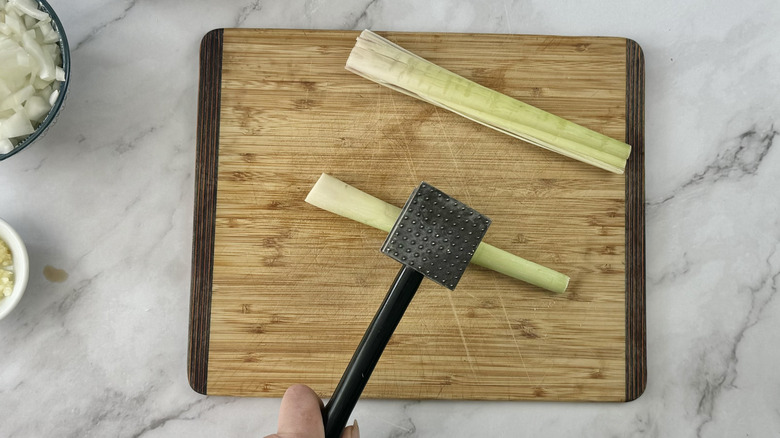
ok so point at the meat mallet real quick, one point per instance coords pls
(435, 236)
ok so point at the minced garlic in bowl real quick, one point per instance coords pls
(6, 274)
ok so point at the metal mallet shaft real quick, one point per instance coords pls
(435, 236)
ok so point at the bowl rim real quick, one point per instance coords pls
(55, 109)
(21, 267)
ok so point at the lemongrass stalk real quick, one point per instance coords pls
(382, 61)
(338, 197)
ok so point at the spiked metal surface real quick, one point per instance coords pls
(436, 235)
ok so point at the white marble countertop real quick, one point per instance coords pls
(107, 197)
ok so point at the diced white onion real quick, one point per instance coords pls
(37, 107)
(17, 125)
(30, 69)
(29, 8)
(5, 146)
(53, 97)
(6, 263)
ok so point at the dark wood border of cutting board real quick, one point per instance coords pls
(207, 156)
(636, 351)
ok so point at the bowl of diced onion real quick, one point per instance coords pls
(14, 268)
(34, 72)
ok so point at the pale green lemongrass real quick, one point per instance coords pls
(338, 197)
(388, 64)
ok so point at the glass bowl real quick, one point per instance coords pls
(55, 109)
(21, 268)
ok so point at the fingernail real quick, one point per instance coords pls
(356, 434)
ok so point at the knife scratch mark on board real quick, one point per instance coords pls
(314, 254)
(467, 196)
(378, 109)
(462, 337)
(492, 315)
(512, 332)
(546, 372)
(376, 128)
(407, 152)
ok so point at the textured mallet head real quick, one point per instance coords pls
(436, 235)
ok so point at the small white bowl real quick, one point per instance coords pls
(21, 267)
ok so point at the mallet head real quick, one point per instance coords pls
(436, 235)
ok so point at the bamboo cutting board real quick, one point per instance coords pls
(282, 291)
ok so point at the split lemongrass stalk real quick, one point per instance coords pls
(384, 62)
(342, 199)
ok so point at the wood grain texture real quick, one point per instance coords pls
(293, 288)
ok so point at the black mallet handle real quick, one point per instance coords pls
(336, 413)
(434, 236)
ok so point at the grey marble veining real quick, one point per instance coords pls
(107, 197)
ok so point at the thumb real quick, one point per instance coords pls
(300, 414)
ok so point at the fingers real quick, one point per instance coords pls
(300, 415)
(351, 431)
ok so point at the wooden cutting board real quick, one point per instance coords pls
(282, 291)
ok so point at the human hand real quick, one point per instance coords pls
(300, 416)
